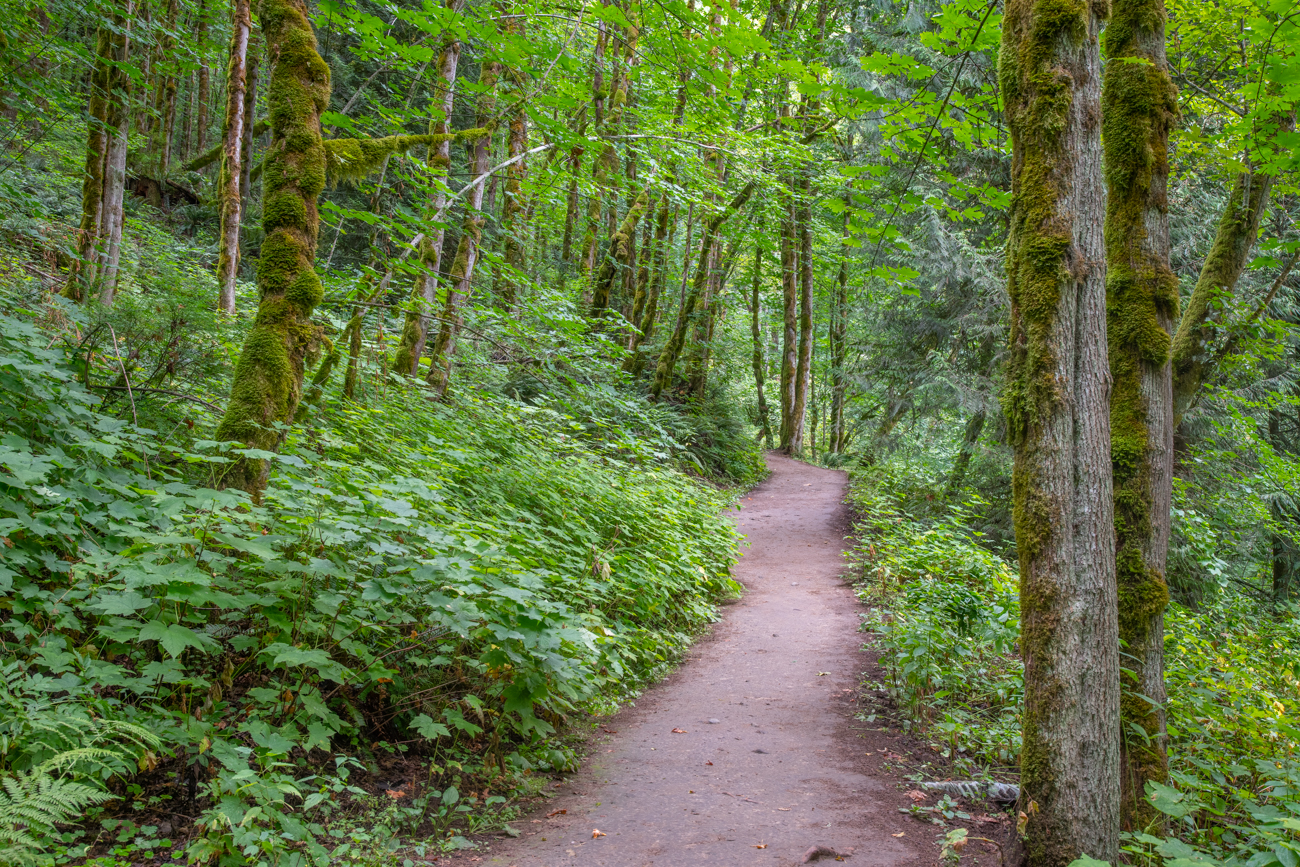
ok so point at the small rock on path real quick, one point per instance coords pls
(785, 767)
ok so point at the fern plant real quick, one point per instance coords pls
(54, 759)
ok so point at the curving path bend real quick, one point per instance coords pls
(769, 754)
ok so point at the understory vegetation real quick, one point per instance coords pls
(372, 659)
(944, 610)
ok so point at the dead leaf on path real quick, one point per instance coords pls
(609, 731)
(708, 763)
(395, 793)
(822, 673)
(916, 795)
(899, 834)
(554, 813)
(760, 845)
(784, 809)
(680, 731)
(596, 833)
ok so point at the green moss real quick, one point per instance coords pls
(268, 377)
(350, 159)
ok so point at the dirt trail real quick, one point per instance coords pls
(771, 754)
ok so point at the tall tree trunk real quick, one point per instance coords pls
(756, 334)
(789, 320)
(659, 278)
(599, 165)
(103, 188)
(205, 82)
(250, 128)
(507, 277)
(1228, 257)
(691, 306)
(415, 331)
(268, 377)
(1285, 552)
(803, 370)
(165, 96)
(1139, 102)
(462, 268)
(231, 165)
(839, 346)
(1057, 419)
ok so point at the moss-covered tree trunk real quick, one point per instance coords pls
(1057, 418)
(228, 192)
(692, 308)
(758, 357)
(462, 267)
(599, 165)
(268, 377)
(424, 298)
(164, 102)
(204, 90)
(645, 324)
(103, 187)
(1193, 352)
(1139, 103)
(618, 258)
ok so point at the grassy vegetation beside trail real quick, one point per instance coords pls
(944, 612)
(377, 659)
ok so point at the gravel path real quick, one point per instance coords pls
(768, 761)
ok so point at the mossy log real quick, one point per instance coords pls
(212, 154)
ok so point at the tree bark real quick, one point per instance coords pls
(249, 127)
(507, 277)
(789, 321)
(165, 96)
(618, 258)
(415, 331)
(205, 83)
(646, 324)
(1139, 103)
(839, 347)
(803, 370)
(756, 334)
(691, 307)
(1057, 417)
(268, 377)
(232, 163)
(599, 166)
(462, 269)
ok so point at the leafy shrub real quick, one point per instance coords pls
(455, 578)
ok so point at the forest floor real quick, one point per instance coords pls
(749, 752)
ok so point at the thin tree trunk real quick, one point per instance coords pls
(803, 371)
(462, 269)
(268, 377)
(839, 347)
(205, 82)
(507, 277)
(86, 270)
(1142, 306)
(599, 165)
(415, 331)
(119, 121)
(969, 439)
(620, 252)
(165, 97)
(691, 307)
(789, 321)
(249, 127)
(635, 362)
(756, 333)
(231, 166)
(1057, 419)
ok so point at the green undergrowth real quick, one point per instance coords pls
(366, 667)
(945, 618)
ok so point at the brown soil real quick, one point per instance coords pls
(769, 761)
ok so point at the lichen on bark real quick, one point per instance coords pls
(268, 377)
